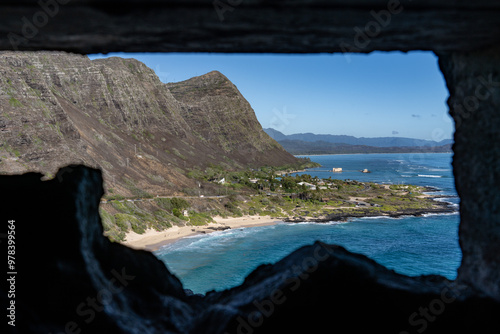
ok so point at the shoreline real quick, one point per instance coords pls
(153, 240)
(440, 207)
(281, 172)
(343, 216)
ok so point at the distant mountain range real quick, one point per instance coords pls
(350, 140)
(310, 143)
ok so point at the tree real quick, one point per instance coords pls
(288, 183)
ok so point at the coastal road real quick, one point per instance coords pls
(152, 198)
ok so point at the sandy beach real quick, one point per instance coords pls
(152, 240)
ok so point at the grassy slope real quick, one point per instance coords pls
(280, 197)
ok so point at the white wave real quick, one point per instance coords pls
(425, 175)
(447, 201)
(444, 199)
(378, 217)
(318, 223)
(441, 214)
(436, 192)
(453, 205)
(202, 241)
(300, 223)
(336, 223)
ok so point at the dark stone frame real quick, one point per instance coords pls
(464, 35)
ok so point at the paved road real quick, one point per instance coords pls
(150, 199)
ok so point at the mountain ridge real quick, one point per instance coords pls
(351, 140)
(58, 109)
(298, 147)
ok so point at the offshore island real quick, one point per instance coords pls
(177, 158)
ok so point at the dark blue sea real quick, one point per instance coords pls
(408, 245)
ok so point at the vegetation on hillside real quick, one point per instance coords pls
(264, 191)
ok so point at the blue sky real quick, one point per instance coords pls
(375, 95)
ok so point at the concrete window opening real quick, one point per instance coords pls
(116, 289)
(358, 95)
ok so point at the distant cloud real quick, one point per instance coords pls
(395, 132)
(416, 116)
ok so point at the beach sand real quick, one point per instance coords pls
(152, 240)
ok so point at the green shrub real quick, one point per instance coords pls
(196, 174)
(179, 203)
(198, 218)
(252, 211)
(115, 235)
(122, 221)
(177, 213)
(120, 206)
(170, 204)
(126, 222)
(164, 203)
(107, 220)
(114, 197)
(162, 220)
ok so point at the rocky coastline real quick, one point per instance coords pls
(344, 215)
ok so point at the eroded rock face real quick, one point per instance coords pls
(473, 80)
(72, 279)
(58, 109)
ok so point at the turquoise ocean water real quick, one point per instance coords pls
(409, 245)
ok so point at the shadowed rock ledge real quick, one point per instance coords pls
(285, 26)
(473, 80)
(71, 279)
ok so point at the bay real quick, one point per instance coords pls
(409, 245)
